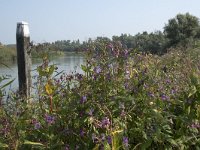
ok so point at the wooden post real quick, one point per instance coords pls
(23, 58)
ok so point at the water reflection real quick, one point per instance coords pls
(70, 62)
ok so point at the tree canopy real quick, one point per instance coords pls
(183, 29)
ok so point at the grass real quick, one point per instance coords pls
(8, 53)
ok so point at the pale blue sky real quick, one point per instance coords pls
(51, 20)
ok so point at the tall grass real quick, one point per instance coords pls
(7, 53)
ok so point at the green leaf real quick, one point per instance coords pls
(147, 144)
(3, 145)
(32, 143)
(51, 69)
(84, 68)
(172, 141)
(193, 91)
(188, 110)
(6, 84)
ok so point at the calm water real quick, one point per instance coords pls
(70, 62)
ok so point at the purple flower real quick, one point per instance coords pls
(123, 114)
(50, 119)
(125, 141)
(90, 112)
(125, 52)
(105, 122)
(195, 125)
(109, 139)
(108, 76)
(37, 125)
(97, 69)
(82, 132)
(67, 147)
(167, 81)
(151, 94)
(164, 97)
(110, 46)
(126, 85)
(83, 99)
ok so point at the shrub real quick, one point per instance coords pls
(124, 100)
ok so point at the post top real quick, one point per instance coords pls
(23, 29)
(22, 23)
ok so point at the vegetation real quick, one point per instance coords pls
(7, 53)
(127, 98)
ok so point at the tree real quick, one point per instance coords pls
(183, 29)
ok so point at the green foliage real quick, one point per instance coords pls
(183, 29)
(7, 53)
(154, 43)
(124, 100)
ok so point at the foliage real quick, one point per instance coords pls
(154, 43)
(183, 29)
(124, 100)
(7, 53)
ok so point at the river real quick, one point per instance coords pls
(67, 63)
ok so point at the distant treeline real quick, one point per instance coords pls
(181, 31)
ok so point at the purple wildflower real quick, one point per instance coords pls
(50, 119)
(97, 69)
(37, 126)
(168, 81)
(164, 97)
(125, 52)
(195, 125)
(105, 122)
(125, 141)
(108, 76)
(173, 91)
(110, 46)
(123, 114)
(67, 147)
(90, 112)
(82, 132)
(109, 139)
(126, 85)
(83, 99)
(151, 94)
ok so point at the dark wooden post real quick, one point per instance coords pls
(23, 58)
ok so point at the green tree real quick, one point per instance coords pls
(182, 30)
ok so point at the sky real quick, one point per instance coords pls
(51, 20)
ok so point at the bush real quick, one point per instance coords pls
(124, 100)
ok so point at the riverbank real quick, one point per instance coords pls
(9, 54)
